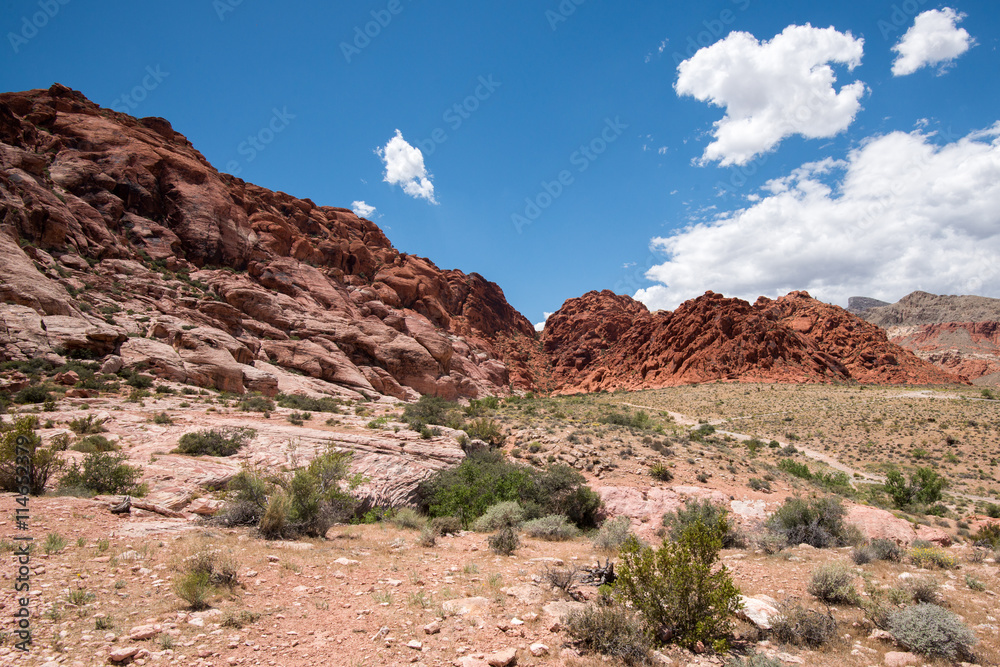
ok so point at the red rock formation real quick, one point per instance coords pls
(793, 339)
(127, 206)
(969, 349)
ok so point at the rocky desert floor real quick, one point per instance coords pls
(373, 594)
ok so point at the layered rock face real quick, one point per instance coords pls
(960, 334)
(117, 236)
(792, 339)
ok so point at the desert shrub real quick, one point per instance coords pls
(925, 487)
(307, 403)
(485, 429)
(833, 583)
(33, 394)
(661, 472)
(931, 557)
(239, 619)
(195, 589)
(768, 542)
(103, 472)
(428, 538)
(409, 518)
(639, 420)
(446, 525)
(505, 541)
(248, 498)
(501, 515)
(487, 478)
(432, 411)
(803, 627)
(932, 631)
(45, 461)
(862, 555)
(315, 497)
(988, 535)
(755, 660)
(923, 589)
(708, 513)
(478, 407)
(993, 510)
(554, 527)
(612, 534)
(256, 404)
(95, 443)
(610, 630)
(884, 549)
(675, 588)
(162, 418)
(273, 523)
(974, 584)
(757, 484)
(817, 522)
(215, 442)
(220, 568)
(800, 470)
(87, 424)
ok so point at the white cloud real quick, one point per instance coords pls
(901, 213)
(772, 90)
(541, 325)
(404, 165)
(934, 38)
(362, 210)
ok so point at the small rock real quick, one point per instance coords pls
(414, 644)
(141, 632)
(900, 659)
(878, 633)
(346, 561)
(123, 653)
(432, 628)
(504, 658)
(538, 650)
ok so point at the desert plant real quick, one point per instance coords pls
(612, 534)
(215, 442)
(162, 418)
(79, 597)
(86, 425)
(888, 550)
(54, 542)
(407, 517)
(446, 525)
(923, 589)
(932, 631)
(988, 535)
(677, 591)
(974, 584)
(248, 497)
(833, 583)
(95, 443)
(428, 538)
(803, 627)
(553, 527)
(102, 472)
(256, 404)
(661, 472)
(33, 394)
(561, 577)
(195, 588)
(316, 498)
(863, 554)
(273, 523)
(485, 429)
(817, 522)
(15, 438)
(930, 557)
(755, 660)
(925, 487)
(499, 516)
(239, 619)
(610, 630)
(505, 541)
(708, 513)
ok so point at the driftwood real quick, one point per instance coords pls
(599, 574)
(125, 507)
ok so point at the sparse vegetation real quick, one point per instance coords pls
(933, 631)
(803, 627)
(833, 583)
(611, 630)
(215, 441)
(45, 461)
(103, 472)
(817, 522)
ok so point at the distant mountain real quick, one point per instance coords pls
(859, 304)
(960, 334)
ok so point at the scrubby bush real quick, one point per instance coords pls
(487, 478)
(215, 442)
(756, 660)
(301, 402)
(803, 627)
(930, 557)
(988, 535)
(95, 443)
(88, 424)
(485, 429)
(923, 589)
(554, 527)
(612, 534)
(44, 461)
(446, 525)
(639, 420)
(256, 404)
(104, 473)
(315, 497)
(501, 515)
(933, 631)
(661, 472)
(505, 541)
(708, 513)
(248, 498)
(833, 583)
(610, 630)
(677, 587)
(993, 510)
(863, 554)
(886, 550)
(800, 470)
(925, 487)
(33, 394)
(202, 574)
(432, 411)
(428, 538)
(409, 518)
(817, 522)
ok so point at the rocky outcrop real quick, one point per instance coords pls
(119, 227)
(792, 339)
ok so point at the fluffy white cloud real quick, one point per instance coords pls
(775, 89)
(362, 210)
(404, 165)
(541, 325)
(934, 38)
(902, 212)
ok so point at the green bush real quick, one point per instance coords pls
(933, 631)
(925, 487)
(485, 429)
(300, 402)
(989, 534)
(612, 534)
(505, 541)
(639, 420)
(215, 442)
(248, 498)
(800, 470)
(432, 411)
(446, 525)
(923, 589)
(409, 518)
(993, 510)
(930, 557)
(315, 497)
(756, 660)
(708, 513)
(256, 404)
(274, 522)
(863, 554)
(833, 583)
(610, 630)
(33, 394)
(676, 590)
(661, 472)
(817, 522)
(888, 550)
(88, 424)
(478, 407)
(45, 461)
(104, 473)
(95, 443)
(501, 515)
(554, 527)
(487, 478)
(803, 627)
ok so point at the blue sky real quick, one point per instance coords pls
(578, 109)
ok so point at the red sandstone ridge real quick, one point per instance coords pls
(969, 349)
(119, 237)
(792, 339)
